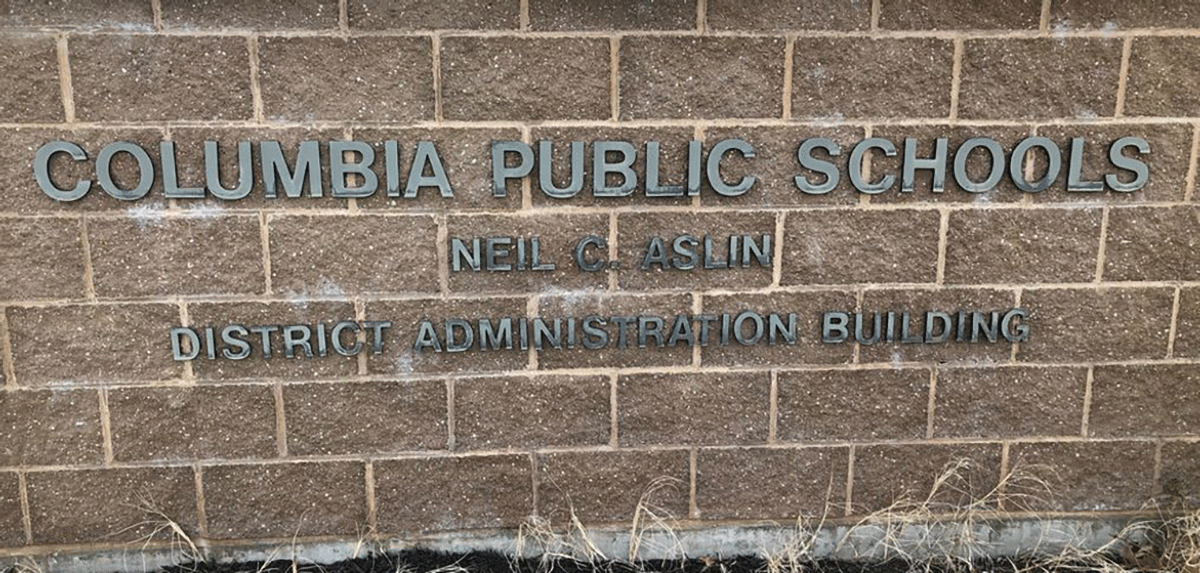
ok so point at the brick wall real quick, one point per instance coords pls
(96, 417)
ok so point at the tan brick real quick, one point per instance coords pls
(996, 82)
(775, 165)
(1147, 243)
(979, 164)
(838, 405)
(701, 408)
(531, 412)
(525, 78)
(1088, 476)
(636, 230)
(808, 349)
(1187, 328)
(41, 258)
(566, 15)
(827, 247)
(605, 306)
(776, 483)
(128, 14)
(400, 359)
(557, 234)
(49, 427)
(783, 16)
(606, 487)
(672, 163)
(32, 92)
(1180, 478)
(285, 499)
(339, 255)
(143, 77)
(908, 474)
(465, 155)
(1115, 14)
(92, 343)
(110, 505)
(440, 494)
(1096, 324)
(305, 78)
(189, 153)
(1168, 161)
(387, 417)
(418, 15)
(12, 529)
(919, 301)
(1163, 77)
(176, 256)
(1148, 400)
(837, 78)
(701, 77)
(1022, 246)
(190, 423)
(19, 192)
(270, 15)
(1009, 402)
(933, 15)
(250, 314)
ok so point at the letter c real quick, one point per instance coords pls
(41, 171)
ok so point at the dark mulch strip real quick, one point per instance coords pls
(422, 561)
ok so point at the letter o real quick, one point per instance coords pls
(104, 170)
(1017, 163)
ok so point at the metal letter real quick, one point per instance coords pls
(1074, 185)
(275, 168)
(911, 164)
(546, 170)
(212, 172)
(960, 165)
(826, 168)
(716, 155)
(41, 171)
(145, 170)
(623, 167)
(427, 156)
(170, 175)
(856, 165)
(1119, 160)
(1016, 164)
(501, 172)
(339, 168)
(653, 189)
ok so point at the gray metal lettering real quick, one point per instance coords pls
(856, 165)
(340, 166)
(41, 171)
(653, 188)
(212, 172)
(145, 170)
(501, 172)
(960, 165)
(427, 156)
(275, 169)
(826, 168)
(1016, 164)
(1119, 160)
(546, 170)
(601, 168)
(937, 164)
(170, 175)
(1074, 169)
(716, 155)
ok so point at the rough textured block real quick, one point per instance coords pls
(979, 164)
(1180, 477)
(1187, 329)
(418, 15)
(1008, 402)
(269, 15)
(784, 16)
(1077, 78)
(343, 255)
(614, 355)
(808, 308)
(270, 313)
(121, 14)
(1148, 400)
(285, 499)
(41, 258)
(909, 476)
(1115, 14)
(12, 528)
(1168, 161)
(1088, 476)
(933, 15)
(309, 78)
(1148, 244)
(636, 230)
(31, 92)
(558, 235)
(1022, 246)
(468, 492)
(51, 427)
(465, 155)
(531, 412)
(1096, 324)
(775, 165)
(192, 423)
(399, 357)
(176, 256)
(838, 405)
(919, 301)
(606, 487)
(672, 163)
(365, 418)
(1163, 77)
(140, 78)
(838, 78)
(701, 77)
(525, 78)
(697, 409)
(67, 506)
(776, 483)
(826, 247)
(92, 343)
(566, 15)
